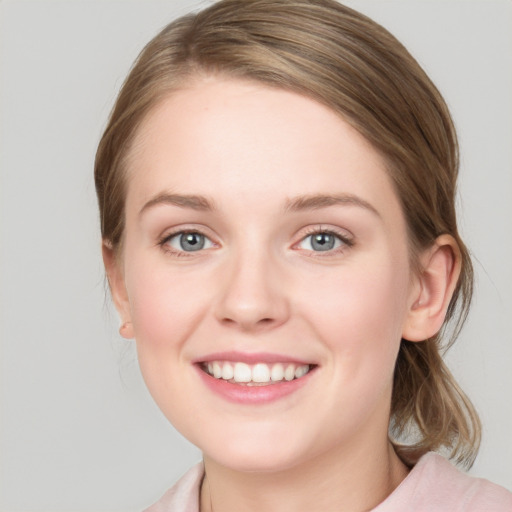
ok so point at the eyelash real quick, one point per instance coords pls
(346, 242)
(164, 242)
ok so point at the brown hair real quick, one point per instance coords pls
(344, 60)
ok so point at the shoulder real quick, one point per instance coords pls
(435, 485)
(184, 495)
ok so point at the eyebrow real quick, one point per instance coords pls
(317, 201)
(194, 202)
(296, 204)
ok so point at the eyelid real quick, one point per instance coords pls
(179, 237)
(343, 235)
(179, 230)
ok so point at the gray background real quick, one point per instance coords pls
(78, 430)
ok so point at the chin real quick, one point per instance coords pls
(251, 462)
(256, 453)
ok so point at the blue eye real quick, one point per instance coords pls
(322, 241)
(189, 241)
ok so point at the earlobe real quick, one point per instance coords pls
(113, 268)
(126, 330)
(433, 290)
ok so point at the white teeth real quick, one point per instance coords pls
(289, 373)
(277, 372)
(217, 370)
(227, 371)
(259, 373)
(301, 371)
(242, 373)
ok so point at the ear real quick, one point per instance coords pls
(433, 289)
(115, 276)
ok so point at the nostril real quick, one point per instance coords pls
(248, 323)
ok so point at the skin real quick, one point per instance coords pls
(258, 286)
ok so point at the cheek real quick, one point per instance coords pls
(165, 313)
(164, 306)
(360, 313)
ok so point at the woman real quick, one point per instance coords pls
(276, 188)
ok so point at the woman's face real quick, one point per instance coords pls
(265, 245)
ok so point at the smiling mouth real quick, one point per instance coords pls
(259, 374)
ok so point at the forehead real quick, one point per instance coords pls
(225, 137)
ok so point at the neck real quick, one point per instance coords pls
(352, 480)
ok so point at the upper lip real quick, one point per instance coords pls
(251, 358)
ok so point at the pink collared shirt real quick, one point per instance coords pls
(433, 485)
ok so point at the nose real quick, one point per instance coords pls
(253, 295)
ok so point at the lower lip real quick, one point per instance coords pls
(243, 394)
